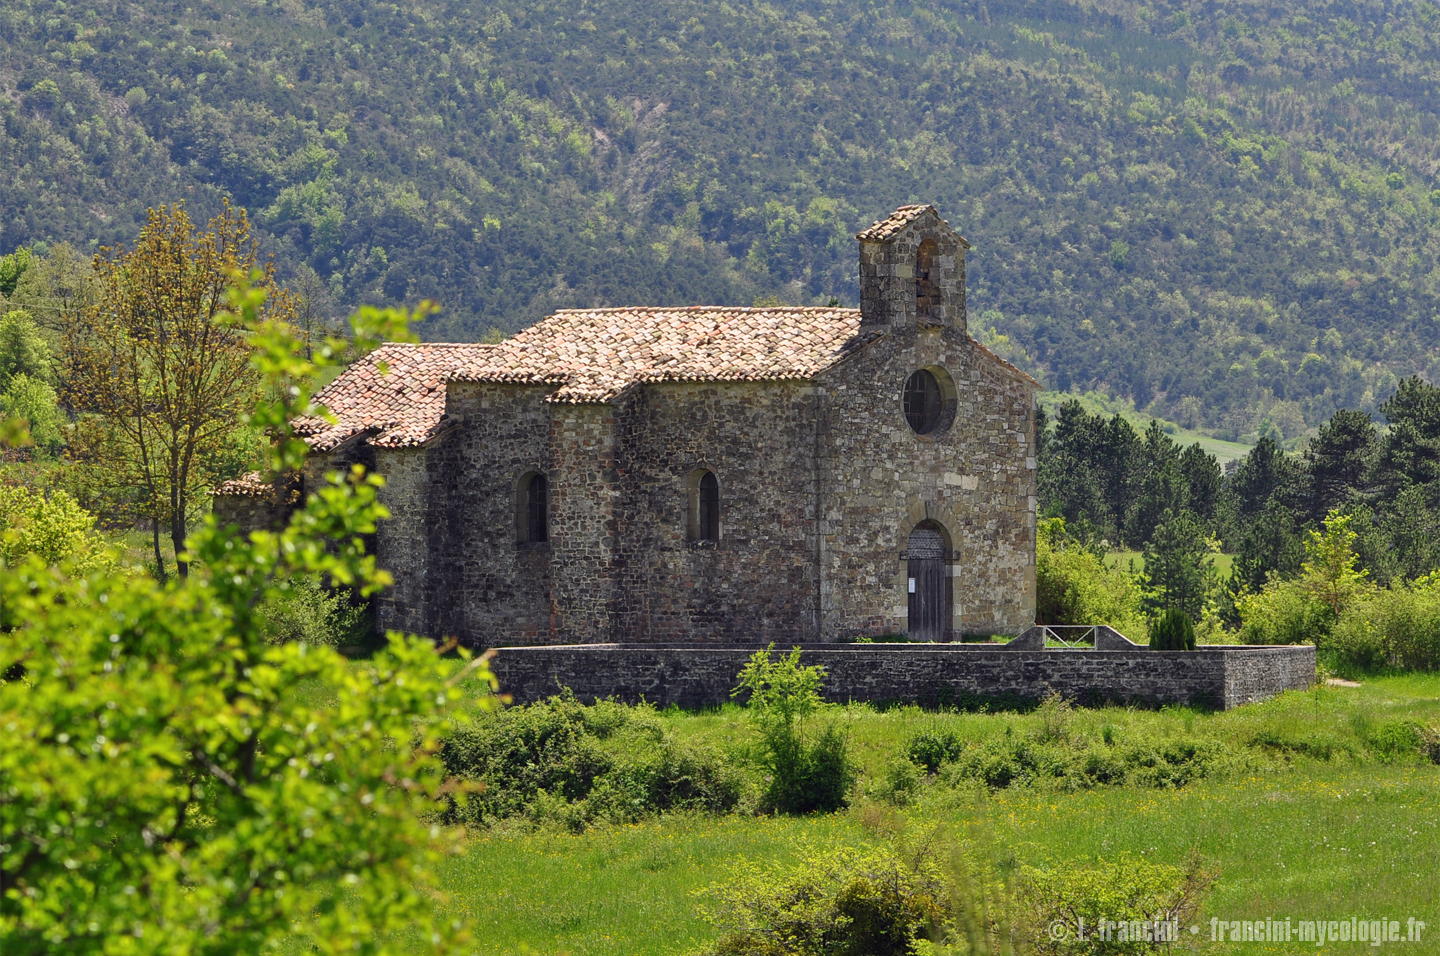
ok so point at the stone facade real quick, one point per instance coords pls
(798, 413)
(1219, 677)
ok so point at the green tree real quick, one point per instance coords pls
(35, 403)
(165, 787)
(1329, 573)
(23, 350)
(1410, 451)
(1178, 566)
(1265, 473)
(1074, 585)
(1338, 460)
(12, 267)
(1203, 480)
(161, 386)
(1271, 544)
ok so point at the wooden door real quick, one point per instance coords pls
(928, 585)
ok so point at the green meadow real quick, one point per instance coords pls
(1318, 805)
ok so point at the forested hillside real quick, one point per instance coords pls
(1228, 214)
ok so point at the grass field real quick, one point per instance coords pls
(1135, 559)
(1097, 404)
(1322, 822)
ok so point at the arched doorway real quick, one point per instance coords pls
(928, 583)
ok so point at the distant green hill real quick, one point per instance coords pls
(1227, 215)
(1097, 404)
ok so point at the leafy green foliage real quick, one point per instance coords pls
(1398, 626)
(23, 350)
(166, 786)
(1067, 766)
(302, 609)
(1125, 889)
(1074, 585)
(844, 902)
(1128, 175)
(1173, 631)
(55, 529)
(12, 267)
(805, 774)
(938, 896)
(559, 761)
(34, 402)
(931, 748)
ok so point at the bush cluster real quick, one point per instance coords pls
(563, 762)
(805, 774)
(941, 897)
(304, 610)
(1082, 764)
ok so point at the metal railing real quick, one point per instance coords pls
(1070, 635)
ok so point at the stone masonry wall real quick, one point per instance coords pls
(1218, 677)
(975, 476)
(249, 512)
(887, 277)
(403, 542)
(484, 585)
(755, 583)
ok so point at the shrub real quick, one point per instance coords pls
(902, 779)
(1073, 585)
(1173, 631)
(55, 529)
(167, 788)
(305, 611)
(942, 898)
(1128, 890)
(1398, 626)
(838, 903)
(931, 748)
(564, 762)
(1010, 761)
(805, 775)
(1283, 613)
(34, 401)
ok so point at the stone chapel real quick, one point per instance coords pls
(703, 474)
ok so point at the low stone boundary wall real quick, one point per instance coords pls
(1217, 676)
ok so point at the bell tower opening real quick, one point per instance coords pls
(928, 301)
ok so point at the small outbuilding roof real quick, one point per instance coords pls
(249, 485)
(593, 355)
(396, 394)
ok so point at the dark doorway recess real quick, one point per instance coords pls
(928, 583)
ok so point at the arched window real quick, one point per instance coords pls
(927, 293)
(923, 402)
(532, 512)
(704, 516)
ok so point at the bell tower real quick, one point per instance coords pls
(912, 271)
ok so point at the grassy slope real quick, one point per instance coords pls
(1223, 562)
(1097, 404)
(1298, 838)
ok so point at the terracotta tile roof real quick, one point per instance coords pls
(883, 229)
(405, 405)
(248, 485)
(593, 355)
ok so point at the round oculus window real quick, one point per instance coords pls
(924, 404)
